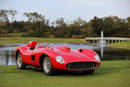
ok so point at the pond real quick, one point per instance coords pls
(106, 53)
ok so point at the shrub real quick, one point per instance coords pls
(77, 36)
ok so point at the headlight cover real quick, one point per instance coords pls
(97, 58)
(60, 59)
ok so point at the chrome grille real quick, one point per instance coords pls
(81, 65)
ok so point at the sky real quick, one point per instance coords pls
(69, 9)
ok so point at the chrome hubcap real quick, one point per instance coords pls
(47, 65)
(19, 61)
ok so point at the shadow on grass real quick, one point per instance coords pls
(58, 72)
(101, 71)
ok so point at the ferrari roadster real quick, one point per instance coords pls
(51, 58)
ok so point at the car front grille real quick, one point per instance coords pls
(81, 65)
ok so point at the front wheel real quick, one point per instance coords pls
(20, 63)
(47, 66)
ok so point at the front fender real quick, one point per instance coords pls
(21, 49)
(87, 52)
(52, 55)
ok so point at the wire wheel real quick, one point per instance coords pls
(20, 63)
(47, 66)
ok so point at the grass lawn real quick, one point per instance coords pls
(110, 74)
(44, 40)
(125, 45)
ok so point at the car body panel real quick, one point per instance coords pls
(32, 57)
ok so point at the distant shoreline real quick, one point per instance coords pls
(44, 40)
(122, 45)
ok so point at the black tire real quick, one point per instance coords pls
(88, 71)
(20, 64)
(47, 66)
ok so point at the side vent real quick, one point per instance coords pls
(33, 57)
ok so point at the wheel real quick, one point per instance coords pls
(20, 63)
(47, 66)
(88, 71)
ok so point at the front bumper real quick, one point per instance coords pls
(81, 65)
(78, 66)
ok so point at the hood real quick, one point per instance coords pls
(70, 55)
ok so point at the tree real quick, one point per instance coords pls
(4, 16)
(38, 24)
(13, 13)
(97, 24)
(90, 30)
(77, 28)
(60, 28)
(5, 19)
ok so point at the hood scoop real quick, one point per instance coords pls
(64, 48)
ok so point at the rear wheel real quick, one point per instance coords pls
(47, 66)
(20, 63)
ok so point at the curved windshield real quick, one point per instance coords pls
(43, 45)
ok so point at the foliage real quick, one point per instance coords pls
(38, 26)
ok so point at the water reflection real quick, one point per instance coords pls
(106, 53)
(114, 54)
(7, 58)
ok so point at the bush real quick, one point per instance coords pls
(77, 36)
(52, 36)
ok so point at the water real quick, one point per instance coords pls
(106, 53)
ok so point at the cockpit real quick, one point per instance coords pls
(33, 45)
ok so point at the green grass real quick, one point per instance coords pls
(110, 74)
(44, 40)
(124, 45)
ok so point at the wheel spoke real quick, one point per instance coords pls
(19, 61)
(47, 65)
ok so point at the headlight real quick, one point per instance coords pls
(60, 59)
(97, 58)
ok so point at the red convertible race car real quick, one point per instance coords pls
(51, 58)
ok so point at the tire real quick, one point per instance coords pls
(88, 71)
(47, 66)
(20, 64)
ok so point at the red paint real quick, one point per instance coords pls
(69, 55)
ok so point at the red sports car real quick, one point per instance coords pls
(52, 58)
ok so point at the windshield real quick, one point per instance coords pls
(43, 45)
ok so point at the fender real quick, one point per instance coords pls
(52, 55)
(87, 52)
(22, 50)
